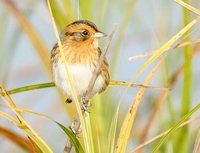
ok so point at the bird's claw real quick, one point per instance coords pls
(68, 100)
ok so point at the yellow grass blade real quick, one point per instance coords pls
(189, 7)
(68, 132)
(130, 116)
(165, 47)
(150, 53)
(23, 125)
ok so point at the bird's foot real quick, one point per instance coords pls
(68, 100)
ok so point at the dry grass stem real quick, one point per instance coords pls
(161, 98)
(18, 115)
(197, 144)
(161, 135)
(17, 139)
(189, 7)
(98, 68)
(130, 116)
(150, 53)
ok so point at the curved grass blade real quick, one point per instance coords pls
(137, 149)
(78, 147)
(130, 116)
(24, 126)
(42, 146)
(73, 139)
(164, 48)
(174, 128)
(30, 87)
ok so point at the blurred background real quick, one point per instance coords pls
(27, 37)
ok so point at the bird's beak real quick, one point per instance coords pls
(99, 34)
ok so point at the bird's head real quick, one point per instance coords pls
(82, 32)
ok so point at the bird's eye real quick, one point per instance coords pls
(85, 33)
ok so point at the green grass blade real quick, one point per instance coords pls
(113, 132)
(59, 16)
(77, 146)
(86, 8)
(174, 128)
(30, 87)
(183, 136)
(52, 84)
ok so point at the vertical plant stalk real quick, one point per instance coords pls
(76, 101)
(182, 139)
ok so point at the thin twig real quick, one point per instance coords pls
(75, 128)
(98, 68)
(68, 146)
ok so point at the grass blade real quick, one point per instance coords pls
(138, 148)
(174, 128)
(52, 84)
(73, 138)
(24, 126)
(59, 16)
(167, 45)
(183, 138)
(83, 120)
(130, 116)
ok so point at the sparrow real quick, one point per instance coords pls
(81, 51)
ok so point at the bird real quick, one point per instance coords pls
(80, 41)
